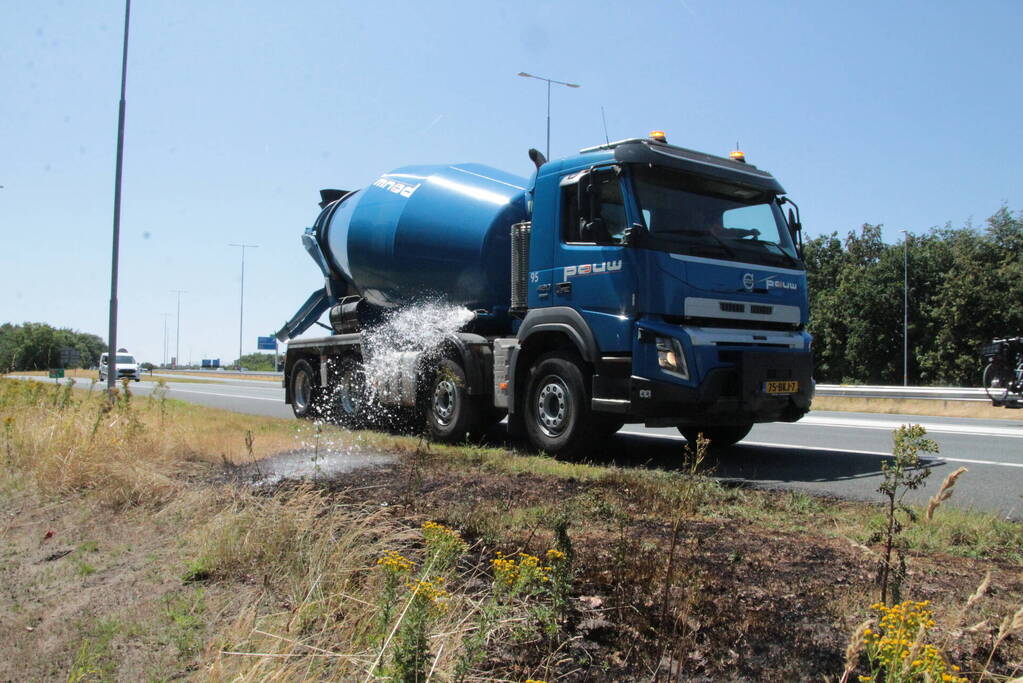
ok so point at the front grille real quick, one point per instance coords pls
(731, 307)
(761, 310)
(732, 323)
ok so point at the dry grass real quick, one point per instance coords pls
(131, 451)
(214, 375)
(889, 406)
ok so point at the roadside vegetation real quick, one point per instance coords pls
(135, 546)
(963, 286)
(923, 407)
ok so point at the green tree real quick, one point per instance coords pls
(263, 362)
(37, 346)
(964, 290)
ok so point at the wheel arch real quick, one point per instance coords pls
(543, 331)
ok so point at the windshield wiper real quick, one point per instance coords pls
(780, 252)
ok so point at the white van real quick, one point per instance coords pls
(126, 366)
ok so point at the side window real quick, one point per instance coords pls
(601, 218)
(571, 221)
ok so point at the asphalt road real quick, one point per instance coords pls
(832, 453)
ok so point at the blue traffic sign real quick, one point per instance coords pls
(267, 343)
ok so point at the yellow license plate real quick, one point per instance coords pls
(781, 387)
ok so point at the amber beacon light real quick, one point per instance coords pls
(658, 135)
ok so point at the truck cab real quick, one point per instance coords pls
(678, 276)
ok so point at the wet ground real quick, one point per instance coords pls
(308, 465)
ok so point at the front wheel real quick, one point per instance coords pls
(728, 435)
(558, 417)
(996, 382)
(303, 390)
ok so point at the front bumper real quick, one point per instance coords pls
(727, 395)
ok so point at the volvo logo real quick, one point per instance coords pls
(748, 281)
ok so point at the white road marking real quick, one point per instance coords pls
(935, 427)
(844, 451)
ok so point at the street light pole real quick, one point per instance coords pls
(905, 308)
(549, 81)
(177, 343)
(115, 251)
(165, 316)
(241, 305)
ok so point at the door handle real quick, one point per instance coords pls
(563, 288)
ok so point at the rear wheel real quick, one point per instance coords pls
(726, 435)
(350, 401)
(303, 390)
(996, 381)
(451, 414)
(558, 418)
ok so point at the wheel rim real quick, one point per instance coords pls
(445, 401)
(303, 390)
(553, 406)
(350, 392)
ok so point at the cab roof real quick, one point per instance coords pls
(651, 151)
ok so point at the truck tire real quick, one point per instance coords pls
(303, 391)
(996, 382)
(727, 435)
(350, 404)
(557, 412)
(451, 414)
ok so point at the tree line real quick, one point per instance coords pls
(37, 346)
(965, 289)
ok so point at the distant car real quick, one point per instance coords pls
(126, 367)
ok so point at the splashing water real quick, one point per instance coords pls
(421, 328)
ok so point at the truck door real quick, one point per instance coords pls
(592, 271)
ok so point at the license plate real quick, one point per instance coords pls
(781, 387)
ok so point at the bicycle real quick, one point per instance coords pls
(1003, 374)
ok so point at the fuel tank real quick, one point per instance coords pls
(427, 233)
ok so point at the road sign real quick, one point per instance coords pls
(69, 356)
(57, 373)
(266, 343)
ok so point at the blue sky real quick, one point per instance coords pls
(905, 114)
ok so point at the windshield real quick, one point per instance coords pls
(687, 214)
(125, 360)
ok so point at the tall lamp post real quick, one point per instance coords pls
(165, 316)
(177, 342)
(549, 81)
(115, 250)
(241, 305)
(905, 308)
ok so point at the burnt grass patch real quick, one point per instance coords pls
(742, 600)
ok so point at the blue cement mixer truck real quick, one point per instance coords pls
(635, 282)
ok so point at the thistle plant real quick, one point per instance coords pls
(902, 474)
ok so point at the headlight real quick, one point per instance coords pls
(671, 358)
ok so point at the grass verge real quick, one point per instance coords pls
(129, 553)
(903, 406)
